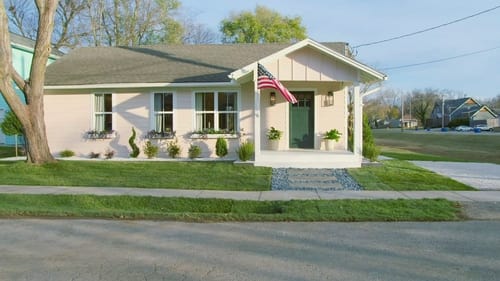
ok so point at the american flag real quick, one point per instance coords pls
(267, 80)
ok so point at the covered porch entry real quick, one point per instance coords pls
(324, 82)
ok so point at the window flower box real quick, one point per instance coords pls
(93, 134)
(160, 135)
(213, 134)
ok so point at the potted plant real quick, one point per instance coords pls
(331, 137)
(274, 136)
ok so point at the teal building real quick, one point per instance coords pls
(22, 54)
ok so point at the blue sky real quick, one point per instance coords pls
(358, 22)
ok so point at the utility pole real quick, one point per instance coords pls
(442, 113)
(402, 112)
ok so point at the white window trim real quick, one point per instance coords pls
(94, 112)
(152, 125)
(216, 106)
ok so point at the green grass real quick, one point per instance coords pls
(439, 146)
(209, 210)
(181, 175)
(402, 154)
(402, 175)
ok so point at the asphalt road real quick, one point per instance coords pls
(33, 249)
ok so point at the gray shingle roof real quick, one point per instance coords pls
(159, 64)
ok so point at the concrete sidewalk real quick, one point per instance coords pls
(461, 196)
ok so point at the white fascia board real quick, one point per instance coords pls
(308, 42)
(31, 50)
(140, 85)
(487, 109)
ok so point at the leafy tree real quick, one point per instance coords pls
(11, 125)
(264, 25)
(30, 114)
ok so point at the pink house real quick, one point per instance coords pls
(196, 93)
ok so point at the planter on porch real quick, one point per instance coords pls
(331, 137)
(274, 144)
(330, 144)
(274, 136)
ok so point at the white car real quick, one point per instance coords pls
(484, 127)
(463, 128)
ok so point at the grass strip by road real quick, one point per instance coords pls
(401, 175)
(181, 175)
(216, 210)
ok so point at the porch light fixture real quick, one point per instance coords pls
(329, 98)
(272, 98)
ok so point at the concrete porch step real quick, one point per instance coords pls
(308, 159)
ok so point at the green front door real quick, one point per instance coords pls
(302, 121)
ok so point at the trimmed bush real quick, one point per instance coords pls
(221, 147)
(173, 149)
(370, 150)
(135, 149)
(245, 151)
(67, 153)
(194, 151)
(150, 150)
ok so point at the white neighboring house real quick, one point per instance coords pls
(94, 96)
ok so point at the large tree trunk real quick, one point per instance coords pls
(30, 114)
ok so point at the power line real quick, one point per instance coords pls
(442, 59)
(427, 29)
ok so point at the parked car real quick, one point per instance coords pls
(463, 128)
(484, 127)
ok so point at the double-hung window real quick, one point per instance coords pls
(216, 111)
(103, 112)
(163, 112)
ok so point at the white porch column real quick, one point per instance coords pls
(256, 118)
(357, 122)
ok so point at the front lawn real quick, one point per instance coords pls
(439, 146)
(180, 175)
(212, 210)
(402, 175)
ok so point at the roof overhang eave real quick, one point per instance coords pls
(140, 85)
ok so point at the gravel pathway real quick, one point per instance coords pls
(312, 179)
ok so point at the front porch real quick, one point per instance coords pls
(306, 158)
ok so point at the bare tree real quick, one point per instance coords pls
(102, 22)
(132, 22)
(68, 25)
(195, 33)
(31, 113)
(422, 103)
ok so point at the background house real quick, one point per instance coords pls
(22, 54)
(464, 111)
